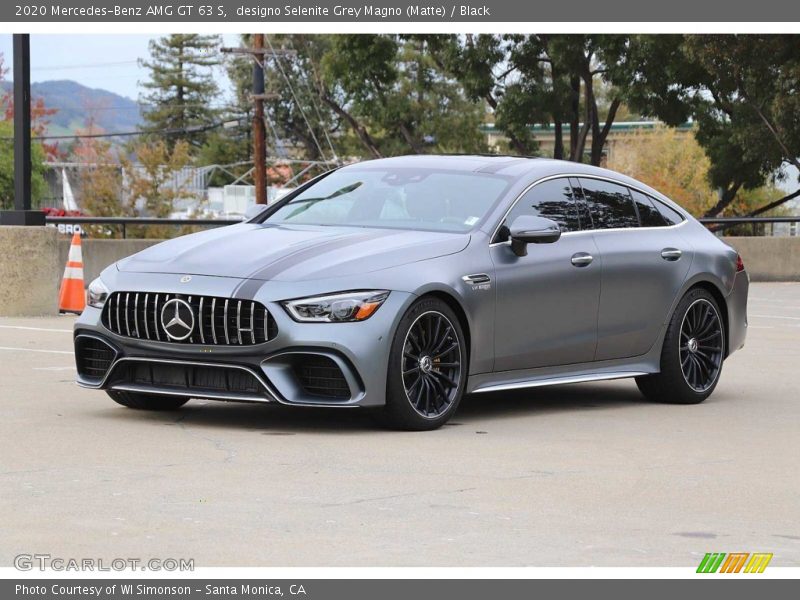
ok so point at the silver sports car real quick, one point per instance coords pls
(401, 284)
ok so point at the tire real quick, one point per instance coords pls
(429, 346)
(146, 401)
(692, 355)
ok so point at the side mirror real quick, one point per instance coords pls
(254, 211)
(527, 229)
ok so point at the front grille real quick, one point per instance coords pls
(217, 321)
(187, 378)
(321, 376)
(92, 357)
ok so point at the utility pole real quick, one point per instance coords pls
(22, 213)
(259, 131)
(259, 54)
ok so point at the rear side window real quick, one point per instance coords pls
(648, 213)
(671, 216)
(551, 199)
(610, 204)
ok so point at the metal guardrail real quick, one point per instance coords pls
(743, 220)
(721, 222)
(123, 222)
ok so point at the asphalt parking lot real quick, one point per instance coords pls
(580, 475)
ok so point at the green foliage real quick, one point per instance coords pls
(229, 149)
(390, 93)
(181, 87)
(742, 91)
(551, 79)
(38, 184)
(297, 116)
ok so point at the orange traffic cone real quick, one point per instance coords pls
(72, 297)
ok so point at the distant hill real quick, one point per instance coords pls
(75, 102)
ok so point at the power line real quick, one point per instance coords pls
(312, 95)
(296, 101)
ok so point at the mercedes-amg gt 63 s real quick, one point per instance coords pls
(399, 285)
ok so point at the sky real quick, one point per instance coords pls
(97, 61)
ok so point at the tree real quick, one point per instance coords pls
(38, 184)
(549, 79)
(296, 116)
(40, 116)
(742, 91)
(181, 87)
(151, 187)
(99, 180)
(671, 162)
(389, 93)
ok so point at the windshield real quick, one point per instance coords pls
(395, 198)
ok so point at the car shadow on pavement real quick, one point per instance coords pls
(550, 399)
(475, 408)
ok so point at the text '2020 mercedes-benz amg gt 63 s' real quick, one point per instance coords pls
(401, 284)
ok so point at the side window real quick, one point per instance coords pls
(610, 204)
(648, 214)
(671, 216)
(551, 199)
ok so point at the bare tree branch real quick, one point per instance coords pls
(774, 204)
(787, 154)
(727, 197)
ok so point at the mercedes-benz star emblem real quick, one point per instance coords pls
(177, 319)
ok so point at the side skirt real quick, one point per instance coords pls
(498, 387)
(557, 375)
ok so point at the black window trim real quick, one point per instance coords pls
(679, 210)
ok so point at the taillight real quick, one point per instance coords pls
(739, 263)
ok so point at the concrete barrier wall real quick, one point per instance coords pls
(30, 271)
(98, 254)
(769, 258)
(33, 260)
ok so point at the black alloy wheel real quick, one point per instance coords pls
(701, 347)
(692, 354)
(427, 370)
(431, 364)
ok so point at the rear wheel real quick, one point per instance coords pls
(427, 368)
(146, 401)
(692, 355)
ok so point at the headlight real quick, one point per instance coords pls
(97, 294)
(336, 308)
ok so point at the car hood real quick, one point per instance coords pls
(291, 253)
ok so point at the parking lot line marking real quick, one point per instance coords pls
(37, 350)
(35, 328)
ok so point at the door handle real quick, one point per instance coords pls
(671, 254)
(582, 259)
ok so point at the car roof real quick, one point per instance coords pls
(514, 167)
(506, 165)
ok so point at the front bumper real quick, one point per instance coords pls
(305, 364)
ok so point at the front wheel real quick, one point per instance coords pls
(692, 355)
(427, 368)
(146, 401)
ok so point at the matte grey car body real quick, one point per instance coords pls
(595, 304)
